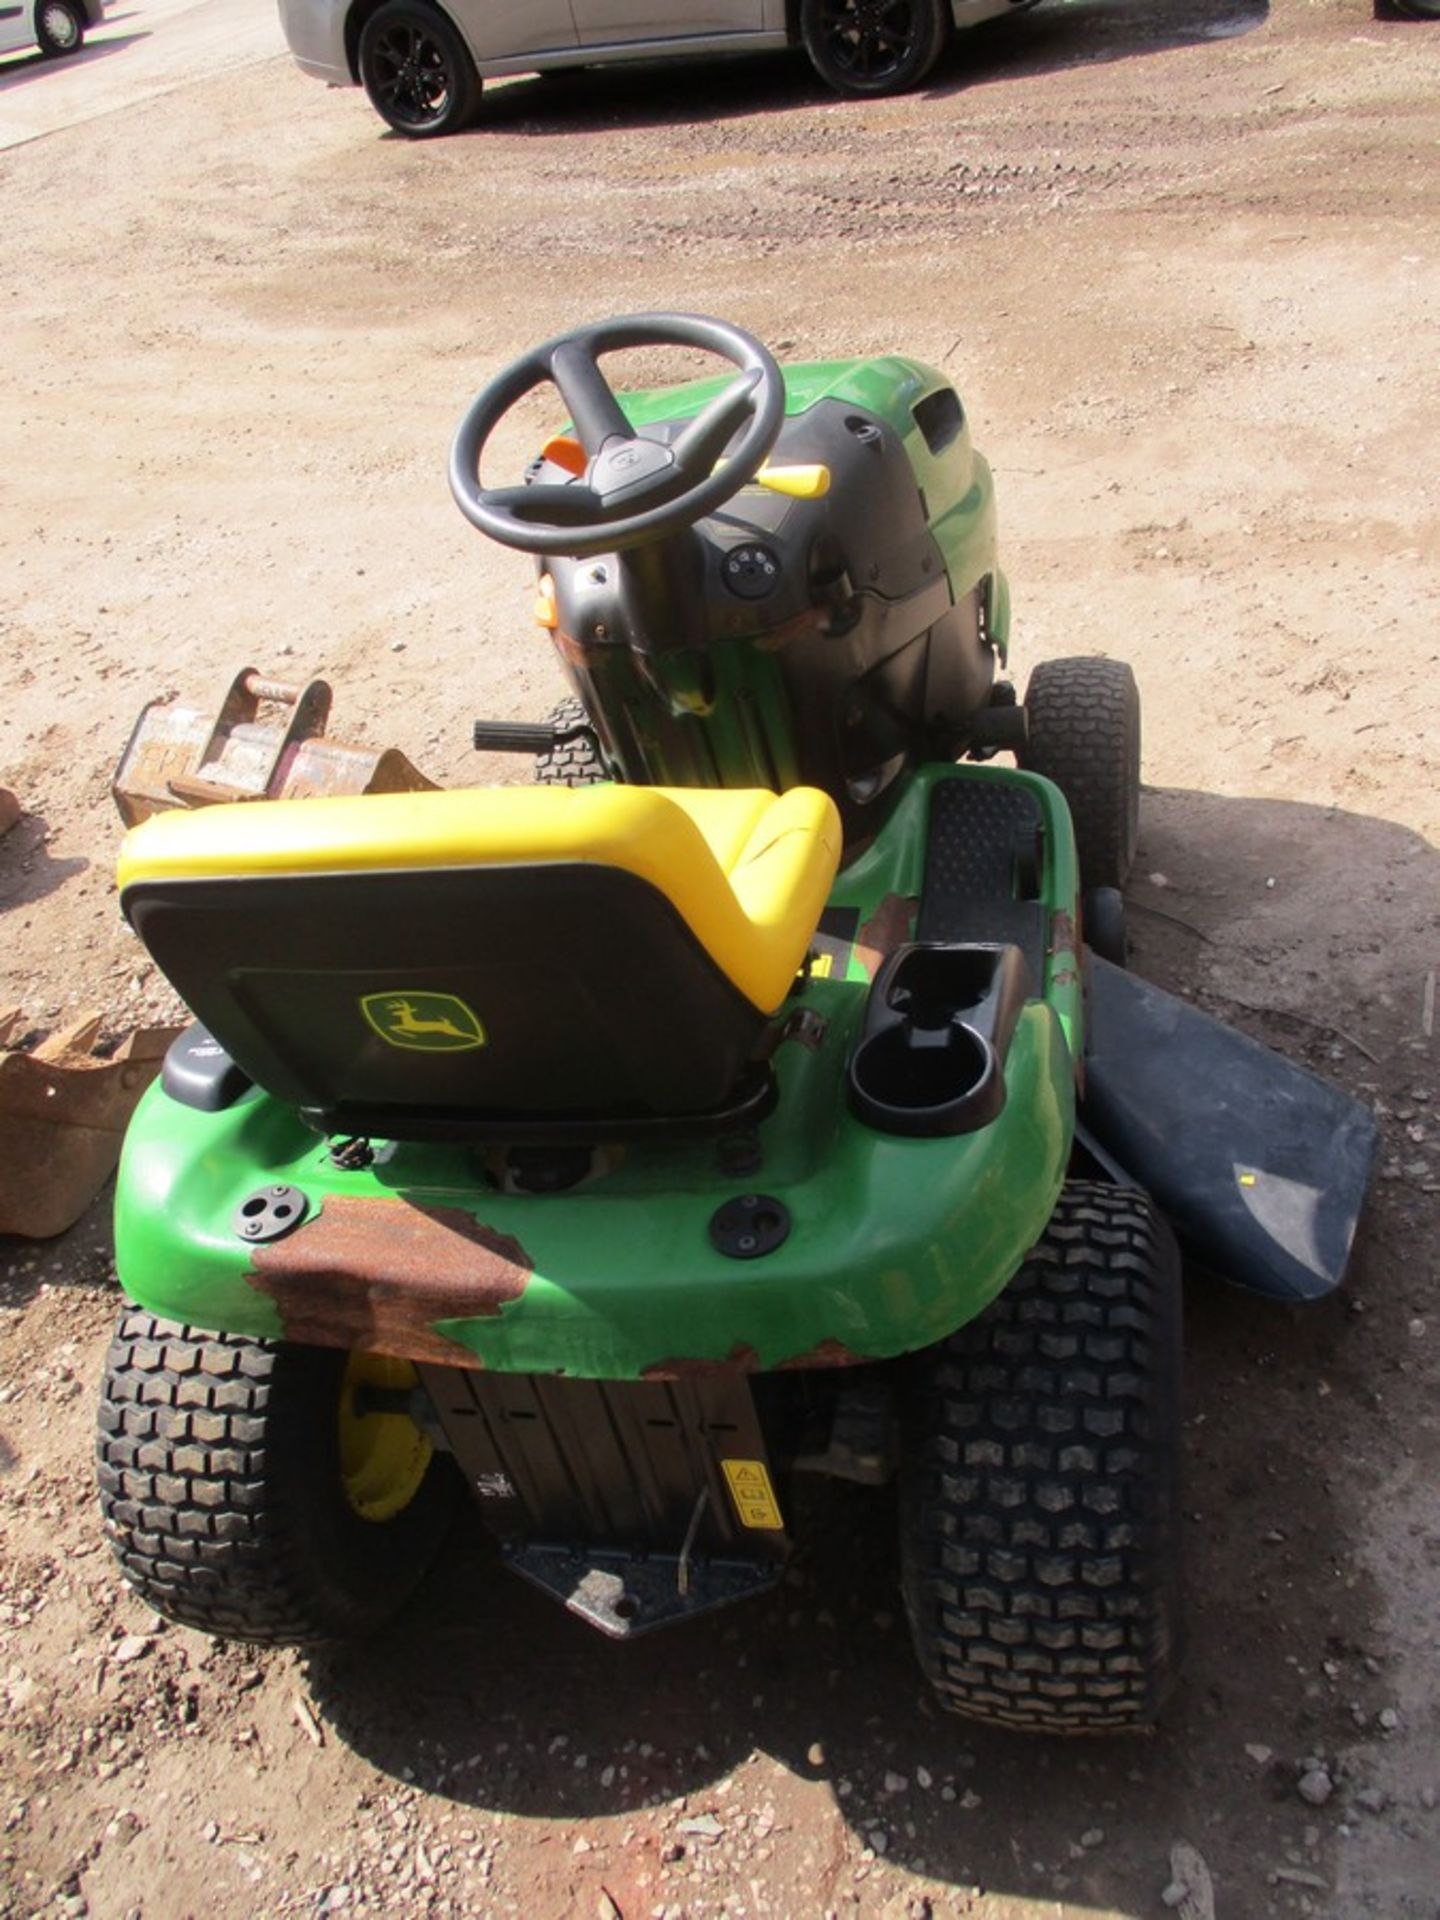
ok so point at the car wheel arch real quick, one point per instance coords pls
(361, 11)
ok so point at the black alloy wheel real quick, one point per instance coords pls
(417, 71)
(873, 46)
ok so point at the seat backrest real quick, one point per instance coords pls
(399, 963)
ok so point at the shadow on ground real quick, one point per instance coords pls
(17, 69)
(1309, 927)
(674, 93)
(27, 871)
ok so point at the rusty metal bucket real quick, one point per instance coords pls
(63, 1110)
(266, 743)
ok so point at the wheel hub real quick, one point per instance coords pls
(383, 1455)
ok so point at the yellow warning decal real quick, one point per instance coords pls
(752, 1495)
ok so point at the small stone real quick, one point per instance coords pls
(1262, 1756)
(947, 1793)
(1389, 1719)
(880, 1840)
(815, 1754)
(1315, 1787)
(1371, 1800)
(924, 1778)
(896, 1783)
(1092, 1837)
(702, 1823)
(970, 1800)
(133, 1647)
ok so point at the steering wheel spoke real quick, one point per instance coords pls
(568, 506)
(596, 413)
(701, 444)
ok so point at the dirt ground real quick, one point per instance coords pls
(1183, 261)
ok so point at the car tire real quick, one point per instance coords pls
(245, 1492)
(1083, 732)
(59, 27)
(1414, 9)
(575, 762)
(1040, 1486)
(872, 47)
(417, 71)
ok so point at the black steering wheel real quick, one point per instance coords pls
(635, 489)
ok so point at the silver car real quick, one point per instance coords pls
(55, 26)
(423, 63)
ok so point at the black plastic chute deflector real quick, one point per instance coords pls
(1261, 1167)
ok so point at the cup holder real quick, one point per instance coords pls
(931, 1056)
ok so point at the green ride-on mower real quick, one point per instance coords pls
(758, 1093)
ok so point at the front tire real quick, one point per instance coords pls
(872, 47)
(1040, 1499)
(59, 27)
(417, 71)
(1083, 732)
(246, 1495)
(574, 762)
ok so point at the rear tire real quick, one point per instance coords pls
(226, 1499)
(1040, 1500)
(59, 27)
(575, 762)
(417, 71)
(1083, 732)
(872, 47)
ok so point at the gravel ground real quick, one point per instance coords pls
(1183, 263)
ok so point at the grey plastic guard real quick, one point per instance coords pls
(1261, 1167)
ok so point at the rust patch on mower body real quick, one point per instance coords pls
(826, 1353)
(377, 1274)
(740, 1359)
(886, 928)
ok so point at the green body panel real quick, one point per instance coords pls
(893, 1242)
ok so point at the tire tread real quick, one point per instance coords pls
(1040, 1511)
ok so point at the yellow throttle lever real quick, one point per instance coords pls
(799, 483)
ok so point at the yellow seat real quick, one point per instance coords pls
(748, 871)
(429, 964)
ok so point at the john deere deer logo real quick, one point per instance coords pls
(426, 1022)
